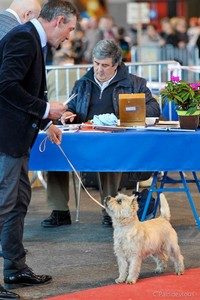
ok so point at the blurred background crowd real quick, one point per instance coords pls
(170, 31)
(174, 33)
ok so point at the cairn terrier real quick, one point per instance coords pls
(134, 240)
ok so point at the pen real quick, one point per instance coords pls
(68, 117)
(69, 99)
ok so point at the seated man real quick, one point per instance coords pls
(58, 182)
(97, 93)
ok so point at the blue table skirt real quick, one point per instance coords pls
(120, 151)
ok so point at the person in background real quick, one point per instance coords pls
(23, 110)
(104, 29)
(167, 33)
(58, 182)
(150, 36)
(193, 32)
(123, 44)
(78, 46)
(97, 93)
(180, 27)
(19, 12)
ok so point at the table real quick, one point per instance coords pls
(134, 150)
(121, 151)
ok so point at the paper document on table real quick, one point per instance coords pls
(168, 124)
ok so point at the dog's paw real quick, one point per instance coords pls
(179, 270)
(131, 281)
(159, 270)
(120, 280)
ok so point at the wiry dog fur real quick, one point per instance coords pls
(135, 240)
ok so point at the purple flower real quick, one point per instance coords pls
(175, 79)
(195, 86)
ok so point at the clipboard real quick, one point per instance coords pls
(132, 109)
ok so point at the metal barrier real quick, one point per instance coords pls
(61, 79)
(156, 74)
(185, 56)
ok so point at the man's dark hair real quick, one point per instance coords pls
(55, 8)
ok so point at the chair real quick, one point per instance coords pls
(160, 189)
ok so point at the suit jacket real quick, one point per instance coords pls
(7, 21)
(22, 89)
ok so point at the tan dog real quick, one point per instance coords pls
(135, 240)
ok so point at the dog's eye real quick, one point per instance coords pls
(119, 201)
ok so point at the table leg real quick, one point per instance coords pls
(163, 189)
(153, 188)
(190, 199)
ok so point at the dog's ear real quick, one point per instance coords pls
(134, 204)
(135, 195)
(106, 200)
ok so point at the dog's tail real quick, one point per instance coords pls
(164, 207)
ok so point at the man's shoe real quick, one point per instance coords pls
(25, 278)
(107, 221)
(57, 218)
(4, 294)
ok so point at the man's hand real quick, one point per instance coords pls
(68, 115)
(54, 134)
(56, 110)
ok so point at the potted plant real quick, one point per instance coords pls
(186, 97)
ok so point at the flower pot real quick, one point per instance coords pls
(189, 122)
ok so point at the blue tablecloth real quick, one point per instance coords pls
(120, 151)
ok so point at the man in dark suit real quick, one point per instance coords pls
(19, 12)
(23, 110)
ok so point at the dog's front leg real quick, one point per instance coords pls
(123, 269)
(134, 269)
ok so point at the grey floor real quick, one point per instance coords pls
(81, 256)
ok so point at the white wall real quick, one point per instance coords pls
(4, 4)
